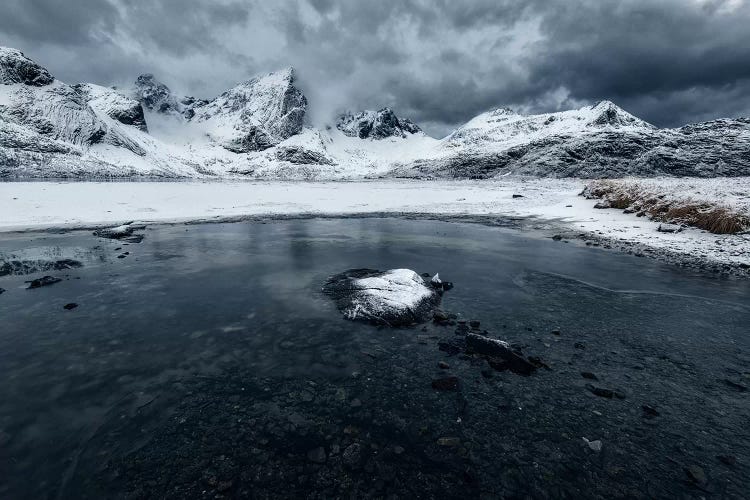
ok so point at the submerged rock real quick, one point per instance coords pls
(43, 281)
(396, 297)
(2, 290)
(499, 354)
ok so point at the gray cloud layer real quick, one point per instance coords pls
(439, 62)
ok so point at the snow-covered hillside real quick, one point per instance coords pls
(257, 129)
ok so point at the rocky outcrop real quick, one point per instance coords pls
(15, 67)
(376, 125)
(398, 297)
(256, 114)
(592, 142)
(156, 96)
(115, 105)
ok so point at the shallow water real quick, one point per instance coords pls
(207, 363)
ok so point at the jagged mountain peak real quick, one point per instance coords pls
(15, 67)
(607, 113)
(256, 114)
(379, 124)
(154, 95)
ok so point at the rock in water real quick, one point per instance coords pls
(396, 297)
(43, 281)
(499, 353)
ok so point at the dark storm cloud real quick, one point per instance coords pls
(440, 62)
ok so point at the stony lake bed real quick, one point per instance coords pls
(205, 361)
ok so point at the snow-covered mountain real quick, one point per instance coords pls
(257, 129)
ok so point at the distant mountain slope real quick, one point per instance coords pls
(257, 130)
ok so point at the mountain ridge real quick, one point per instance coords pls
(257, 129)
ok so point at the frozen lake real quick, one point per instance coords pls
(207, 362)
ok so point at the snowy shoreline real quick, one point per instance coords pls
(551, 206)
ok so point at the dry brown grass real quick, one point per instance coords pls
(664, 207)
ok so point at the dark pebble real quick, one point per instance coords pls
(589, 375)
(70, 306)
(605, 393)
(649, 411)
(729, 460)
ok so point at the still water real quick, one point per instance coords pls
(207, 363)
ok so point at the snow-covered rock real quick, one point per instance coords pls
(256, 114)
(376, 125)
(15, 67)
(115, 105)
(396, 297)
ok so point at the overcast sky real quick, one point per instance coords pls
(439, 62)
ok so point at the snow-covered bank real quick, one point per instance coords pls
(43, 205)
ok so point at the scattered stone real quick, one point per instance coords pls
(443, 365)
(557, 237)
(518, 196)
(669, 228)
(398, 450)
(2, 290)
(440, 316)
(556, 331)
(43, 281)
(449, 441)
(649, 411)
(594, 445)
(317, 455)
(589, 375)
(398, 297)
(729, 460)
(447, 285)
(445, 384)
(605, 393)
(70, 306)
(453, 346)
(436, 282)
(603, 204)
(579, 345)
(474, 324)
(696, 474)
(352, 456)
(499, 354)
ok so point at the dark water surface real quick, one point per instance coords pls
(207, 364)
